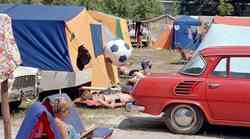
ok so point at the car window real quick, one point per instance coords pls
(195, 66)
(240, 67)
(221, 68)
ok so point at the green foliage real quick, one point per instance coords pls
(120, 8)
(206, 7)
(225, 8)
(177, 7)
(132, 9)
(144, 9)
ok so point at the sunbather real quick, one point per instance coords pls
(106, 100)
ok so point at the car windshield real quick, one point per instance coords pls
(195, 66)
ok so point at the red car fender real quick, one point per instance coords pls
(201, 105)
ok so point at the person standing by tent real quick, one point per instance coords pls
(83, 57)
(138, 34)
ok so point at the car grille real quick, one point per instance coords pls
(24, 82)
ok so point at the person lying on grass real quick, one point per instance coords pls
(115, 100)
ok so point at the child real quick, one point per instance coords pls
(61, 110)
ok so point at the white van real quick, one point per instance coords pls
(23, 84)
(28, 82)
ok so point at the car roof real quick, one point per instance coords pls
(226, 51)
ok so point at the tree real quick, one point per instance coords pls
(121, 8)
(225, 8)
(206, 7)
(145, 9)
(136, 10)
(240, 7)
(132, 9)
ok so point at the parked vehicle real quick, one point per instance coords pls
(23, 84)
(214, 87)
(31, 83)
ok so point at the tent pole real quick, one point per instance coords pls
(5, 110)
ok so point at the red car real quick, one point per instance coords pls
(214, 87)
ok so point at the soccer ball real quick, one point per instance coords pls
(117, 52)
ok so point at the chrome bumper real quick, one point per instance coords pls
(135, 108)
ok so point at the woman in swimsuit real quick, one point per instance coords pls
(105, 100)
(113, 100)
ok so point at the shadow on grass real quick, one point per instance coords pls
(143, 123)
(157, 125)
(17, 113)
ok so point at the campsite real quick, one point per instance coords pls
(127, 69)
(137, 125)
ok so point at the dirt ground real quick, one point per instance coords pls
(134, 125)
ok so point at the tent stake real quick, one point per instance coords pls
(5, 110)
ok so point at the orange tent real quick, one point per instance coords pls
(165, 39)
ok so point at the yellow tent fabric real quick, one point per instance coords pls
(107, 20)
(125, 32)
(113, 23)
(165, 39)
(119, 29)
(78, 32)
(80, 27)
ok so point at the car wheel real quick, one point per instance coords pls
(183, 119)
(14, 105)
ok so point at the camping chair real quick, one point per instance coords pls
(73, 119)
(38, 124)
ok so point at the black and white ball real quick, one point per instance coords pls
(117, 52)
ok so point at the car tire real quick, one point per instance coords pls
(183, 119)
(14, 105)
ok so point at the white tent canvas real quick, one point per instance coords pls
(226, 35)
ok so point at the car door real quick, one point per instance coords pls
(228, 89)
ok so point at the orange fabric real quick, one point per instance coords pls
(229, 20)
(165, 40)
(80, 27)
